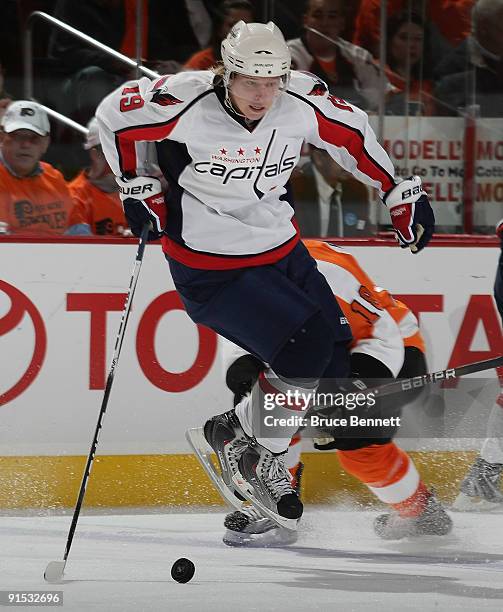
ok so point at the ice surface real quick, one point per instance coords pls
(122, 563)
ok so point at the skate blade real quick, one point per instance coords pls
(246, 490)
(268, 539)
(202, 450)
(465, 503)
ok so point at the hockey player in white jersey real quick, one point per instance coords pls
(227, 142)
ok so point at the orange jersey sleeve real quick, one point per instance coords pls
(35, 205)
(100, 210)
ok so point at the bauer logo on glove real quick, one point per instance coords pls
(143, 202)
(411, 214)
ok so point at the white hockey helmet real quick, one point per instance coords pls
(256, 49)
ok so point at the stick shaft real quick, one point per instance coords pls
(108, 386)
(418, 382)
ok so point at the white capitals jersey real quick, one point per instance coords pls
(228, 205)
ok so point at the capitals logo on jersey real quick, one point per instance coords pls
(319, 89)
(163, 98)
(255, 169)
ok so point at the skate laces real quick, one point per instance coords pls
(278, 481)
(236, 450)
(240, 443)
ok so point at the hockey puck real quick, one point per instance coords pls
(183, 570)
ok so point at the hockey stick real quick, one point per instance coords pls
(55, 569)
(418, 382)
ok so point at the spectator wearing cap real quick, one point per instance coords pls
(98, 209)
(34, 196)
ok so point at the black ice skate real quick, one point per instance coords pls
(481, 488)
(224, 434)
(261, 480)
(434, 520)
(272, 492)
(250, 528)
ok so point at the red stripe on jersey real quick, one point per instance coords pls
(205, 261)
(339, 135)
(125, 141)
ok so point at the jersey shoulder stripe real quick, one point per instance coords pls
(126, 137)
(332, 128)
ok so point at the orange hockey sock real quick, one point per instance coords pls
(390, 474)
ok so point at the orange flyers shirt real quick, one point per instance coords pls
(381, 325)
(100, 210)
(35, 205)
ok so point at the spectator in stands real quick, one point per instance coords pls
(34, 197)
(98, 209)
(351, 8)
(11, 49)
(450, 23)
(229, 13)
(409, 65)
(480, 87)
(171, 31)
(351, 74)
(348, 70)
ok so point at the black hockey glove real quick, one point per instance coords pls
(143, 202)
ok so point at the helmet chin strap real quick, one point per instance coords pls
(227, 101)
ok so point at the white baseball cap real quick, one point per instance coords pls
(93, 134)
(26, 115)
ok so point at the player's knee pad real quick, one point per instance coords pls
(308, 352)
